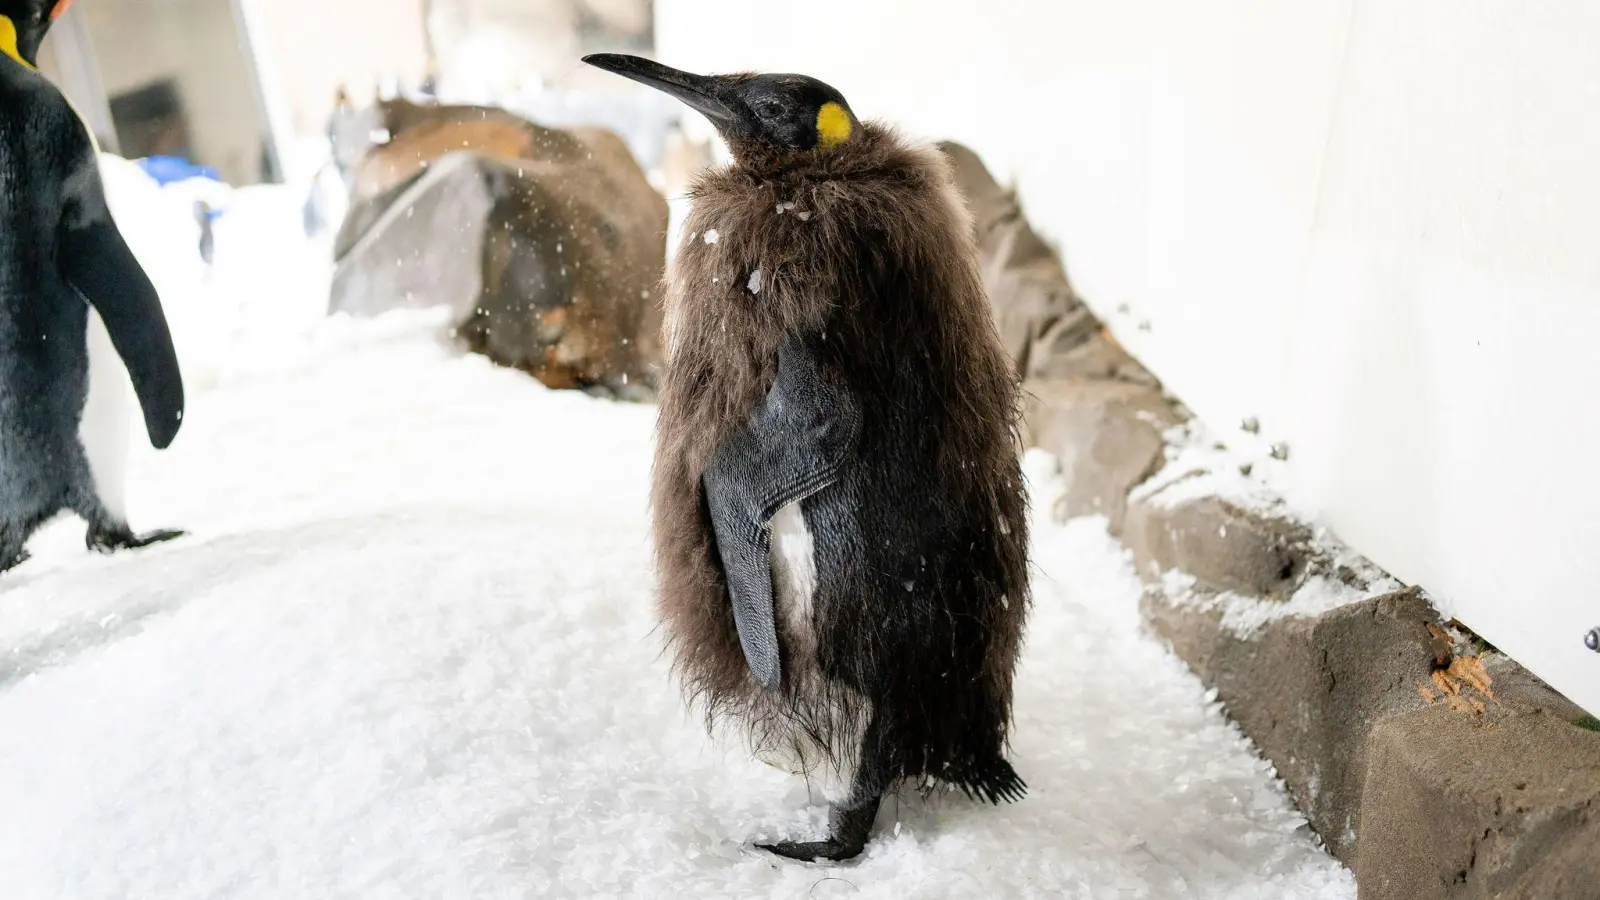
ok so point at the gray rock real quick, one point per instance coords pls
(1041, 320)
(1108, 436)
(1224, 546)
(547, 246)
(1464, 806)
(416, 245)
(1309, 691)
(1076, 346)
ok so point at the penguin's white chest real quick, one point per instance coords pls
(106, 427)
(829, 768)
(794, 570)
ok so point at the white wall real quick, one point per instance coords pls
(1366, 223)
(498, 46)
(193, 42)
(310, 48)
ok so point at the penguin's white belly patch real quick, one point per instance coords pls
(791, 555)
(106, 427)
(794, 569)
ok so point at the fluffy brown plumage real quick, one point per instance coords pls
(865, 250)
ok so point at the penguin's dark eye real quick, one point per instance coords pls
(769, 109)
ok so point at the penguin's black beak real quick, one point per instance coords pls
(698, 91)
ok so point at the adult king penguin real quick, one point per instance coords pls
(60, 255)
(838, 508)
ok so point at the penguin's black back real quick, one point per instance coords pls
(43, 356)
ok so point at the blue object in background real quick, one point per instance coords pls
(168, 169)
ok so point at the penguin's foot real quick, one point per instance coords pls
(17, 559)
(110, 540)
(849, 831)
(815, 851)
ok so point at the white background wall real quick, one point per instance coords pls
(310, 48)
(1368, 224)
(194, 43)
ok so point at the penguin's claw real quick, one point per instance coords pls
(21, 557)
(816, 851)
(848, 830)
(112, 541)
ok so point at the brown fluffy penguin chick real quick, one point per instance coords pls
(838, 508)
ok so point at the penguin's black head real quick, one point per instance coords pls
(752, 112)
(23, 25)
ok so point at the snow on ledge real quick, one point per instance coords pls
(1200, 467)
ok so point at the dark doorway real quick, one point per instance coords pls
(151, 121)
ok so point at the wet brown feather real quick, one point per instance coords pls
(877, 254)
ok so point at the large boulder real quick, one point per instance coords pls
(548, 245)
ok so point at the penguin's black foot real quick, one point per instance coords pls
(114, 539)
(816, 851)
(17, 559)
(849, 831)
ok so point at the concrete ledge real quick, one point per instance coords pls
(1224, 546)
(1107, 435)
(1432, 768)
(1309, 691)
(1460, 806)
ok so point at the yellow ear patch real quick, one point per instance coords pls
(833, 126)
(8, 41)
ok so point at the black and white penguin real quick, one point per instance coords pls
(838, 509)
(63, 264)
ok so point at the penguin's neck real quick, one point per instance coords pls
(8, 41)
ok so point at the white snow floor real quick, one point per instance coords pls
(408, 651)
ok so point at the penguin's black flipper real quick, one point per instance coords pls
(96, 261)
(794, 445)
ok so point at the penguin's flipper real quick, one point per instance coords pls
(794, 445)
(96, 261)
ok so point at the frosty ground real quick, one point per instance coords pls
(408, 650)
